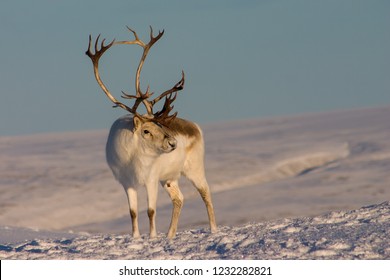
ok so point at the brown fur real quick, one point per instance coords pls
(184, 127)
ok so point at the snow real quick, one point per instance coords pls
(357, 234)
(283, 188)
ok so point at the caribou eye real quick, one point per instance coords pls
(146, 131)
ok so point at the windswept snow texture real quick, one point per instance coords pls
(358, 234)
(259, 171)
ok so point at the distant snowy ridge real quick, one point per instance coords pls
(289, 167)
(357, 234)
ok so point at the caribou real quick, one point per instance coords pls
(145, 150)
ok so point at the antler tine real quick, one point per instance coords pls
(128, 96)
(135, 33)
(170, 96)
(177, 87)
(98, 53)
(154, 39)
(163, 115)
(137, 41)
(145, 95)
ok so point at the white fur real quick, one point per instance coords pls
(135, 163)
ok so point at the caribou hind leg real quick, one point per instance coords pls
(177, 198)
(199, 181)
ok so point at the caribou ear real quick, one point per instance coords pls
(137, 121)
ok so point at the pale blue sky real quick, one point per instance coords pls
(242, 59)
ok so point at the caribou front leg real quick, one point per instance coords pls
(133, 207)
(152, 191)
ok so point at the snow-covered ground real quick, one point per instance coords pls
(357, 234)
(273, 182)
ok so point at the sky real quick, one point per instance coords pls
(242, 59)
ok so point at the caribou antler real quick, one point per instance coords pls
(170, 95)
(95, 61)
